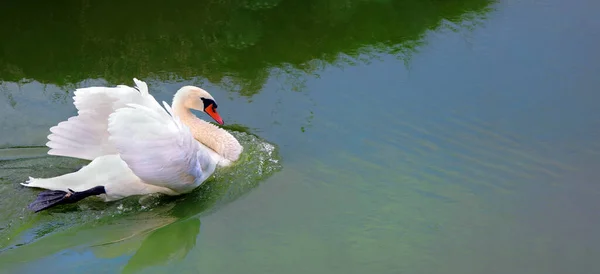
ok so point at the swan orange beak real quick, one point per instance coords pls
(212, 112)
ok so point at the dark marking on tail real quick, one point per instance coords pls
(51, 198)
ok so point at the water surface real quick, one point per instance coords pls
(382, 136)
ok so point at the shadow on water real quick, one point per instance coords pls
(233, 43)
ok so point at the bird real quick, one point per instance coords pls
(136, 147)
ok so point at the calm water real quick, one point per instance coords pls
(381, 136)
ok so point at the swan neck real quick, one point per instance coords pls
(181, 110)
(217, 139)
(179, 107)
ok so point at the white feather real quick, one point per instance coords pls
(109, 171)
(86, 135)
(159, 149)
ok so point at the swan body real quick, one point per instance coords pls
(136, 147)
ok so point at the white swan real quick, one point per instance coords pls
(136, 146)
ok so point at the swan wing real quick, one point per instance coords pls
(85, 136)
(159, 148)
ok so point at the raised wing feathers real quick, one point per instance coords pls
(159, 148)
(86, 135)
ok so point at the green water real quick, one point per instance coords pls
(381, 136)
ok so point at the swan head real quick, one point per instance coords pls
(192, 97)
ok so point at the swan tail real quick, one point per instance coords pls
(47, 183)
(79, 180)
(79, 137)
(108, 171)
(93, 174)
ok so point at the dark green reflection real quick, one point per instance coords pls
(233, 42)
(166, 244)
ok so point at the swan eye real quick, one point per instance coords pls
(208, 103)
